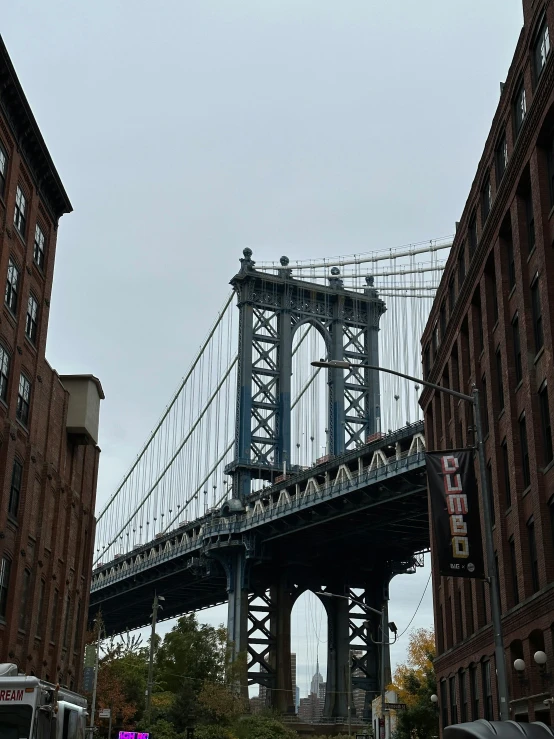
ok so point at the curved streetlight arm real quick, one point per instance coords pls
(339, 364)
(353, 600)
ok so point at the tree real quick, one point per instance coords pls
(190, 654)
(415, 683)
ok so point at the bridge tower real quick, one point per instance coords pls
(272, 307)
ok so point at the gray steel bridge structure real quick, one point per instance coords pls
(347, 525)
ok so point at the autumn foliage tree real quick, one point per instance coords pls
(415, 683)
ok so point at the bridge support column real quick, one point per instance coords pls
(338, 657)
(282, 699)
(237, 614)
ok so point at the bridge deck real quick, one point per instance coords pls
(364, 505)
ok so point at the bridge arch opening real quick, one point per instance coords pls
(309, 644)
(309, 396)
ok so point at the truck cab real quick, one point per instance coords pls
(31, 708)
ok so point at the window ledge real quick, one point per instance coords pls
(495, 325)
(548, 467)
(512, 291)
(518, 386)
(502, 413)
(508, 510)
(30, 344)
(526, 491)
(20, 235)
(551, 213)
(10, 314)
(539, 354)
(22, 426)
(533, 250)
(13, 520)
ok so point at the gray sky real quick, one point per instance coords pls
(184, 131)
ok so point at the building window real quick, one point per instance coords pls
(550, 162)
(462, 261)
(54, 617)
(530, 216)
(501, 156)
(5, 568)
(15, 488)
(541, 50)
(473, 692)
(77, 641)
(520, 107)
(427, 361)
(24, 598)
(511, 262)
(513, 566)
(453, 701)
(4, 372)
(12, 283)
(444, 704)
(545, 423)
(3, 169)
(517, 348)
(499, 382)
(66, 621)
(472, 235)
(31, 320)
(537, 314)
(487, 689)
(485, 402)
(451, 295)
(525, 469)
(39, 247)
(40, 607)
(486, 199)
(435, 339)
(19, 216)
(23, 400)
(506, 469)
(551, 508)
(442, 320)
(471, 609)
(533, 554)
(463, 697)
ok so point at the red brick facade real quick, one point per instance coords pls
(498, 285)
(46, 518)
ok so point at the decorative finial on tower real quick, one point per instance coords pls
(247, 263)
(285, 271)
(335, 281)
(370, 289)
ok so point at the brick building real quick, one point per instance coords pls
(492, 324)
(48, 423)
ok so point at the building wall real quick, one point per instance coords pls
(470, 338)
(47, 539)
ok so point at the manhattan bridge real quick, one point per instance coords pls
(266, 477)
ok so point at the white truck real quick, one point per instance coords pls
(31, 708)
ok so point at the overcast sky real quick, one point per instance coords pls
(184, 131)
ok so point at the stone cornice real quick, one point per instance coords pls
(20, 119)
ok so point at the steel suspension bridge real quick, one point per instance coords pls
(264, 475)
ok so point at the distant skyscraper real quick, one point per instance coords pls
(293, 679)
(317, 680)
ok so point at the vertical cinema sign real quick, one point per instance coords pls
(455, 512)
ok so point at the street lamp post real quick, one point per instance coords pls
(382, 614)
(492, 576)
(150, 684)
